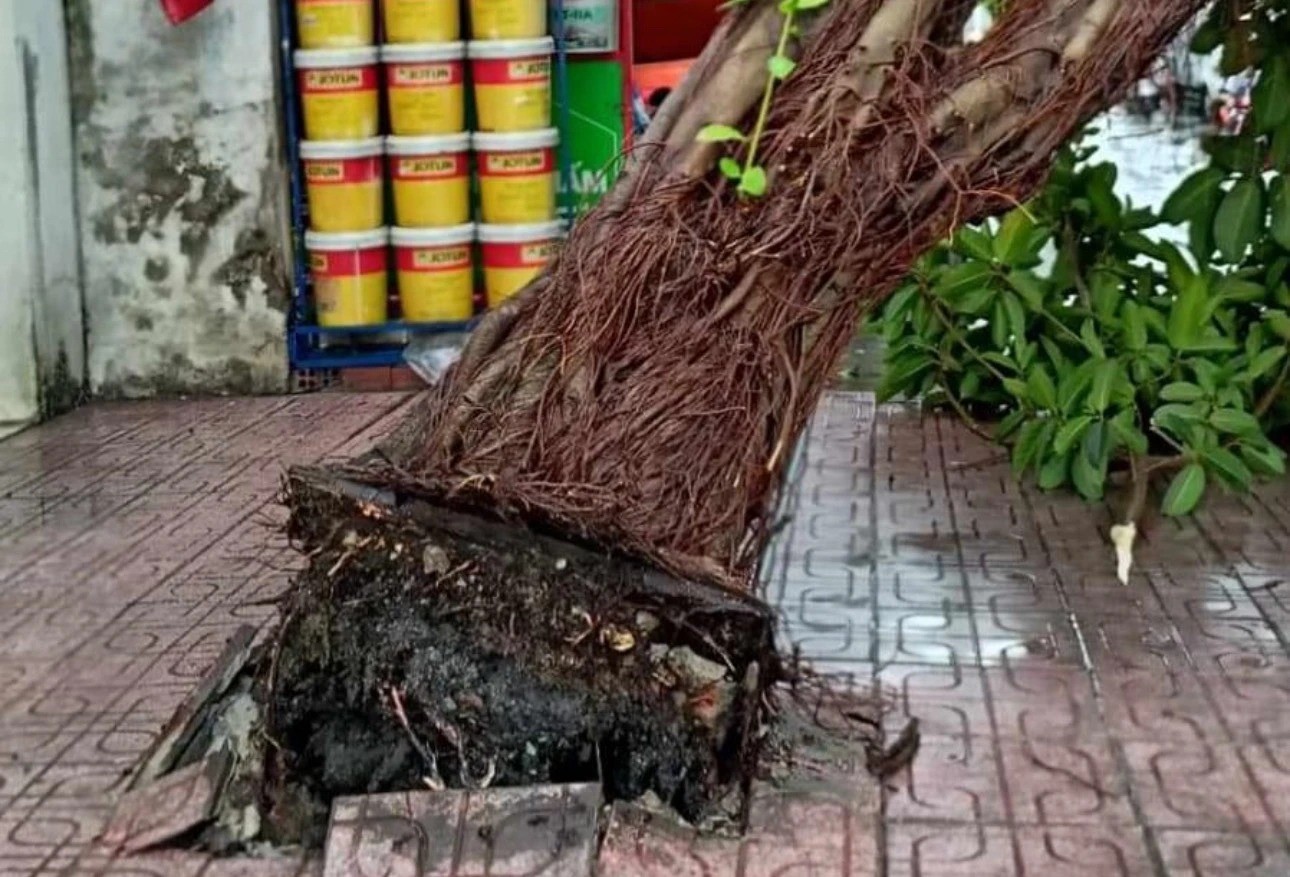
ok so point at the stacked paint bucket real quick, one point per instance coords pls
(514, 143)
(423, 64)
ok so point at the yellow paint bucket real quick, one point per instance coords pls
(512, 83)
(339, 90)
(431, 179)
(515, 254)
(349, 273)
(516, 176)
(426, 88)
(436, 273)
(344, 180)
(335, 24)
(421, 21)
(507, 19)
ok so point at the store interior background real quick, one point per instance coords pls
(147, 247)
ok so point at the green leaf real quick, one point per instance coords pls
(1279, 322)
(1279, 150)
(974, 244)
(1016, 314)
(1107, 291)
(1189, 200)
(1029, 287)
(1239, 219)
(1052, 474)
(1210, 344)
(1188, 313)
(1096, 447)
(1177, 418)
(999, 329)
(1099, 394)
(780, 66)
(1158, 355)
(1039, 386)
(1266, 459)
(1088, 334)
(753, 182)
(719, 134)
(1233, 421)
(1279, 226)
(1070, 432)
(806, 5)
(1206, 375)
(1228, 468)
(899, 376)
(1017, 388)
(1233, 288)
(1125, 429)
(1135, 327)
(974, 302)
(1089, 480)
(1073, 384)
(1209, 36)
(960, 279)
(1012, 243)
(1264, 363)
(730, 168)
(1030, 441)
(1181, 391)
(1200, 235)
(1236, 154)
(1185, 490)
(1271, 94)
(1009, 424)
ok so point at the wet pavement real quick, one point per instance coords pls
(1070, 725)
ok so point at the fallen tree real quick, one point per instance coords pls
(551, 562)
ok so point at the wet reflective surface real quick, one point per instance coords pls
(1071, 725)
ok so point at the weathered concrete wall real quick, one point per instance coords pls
(41, 329)
(183, 208)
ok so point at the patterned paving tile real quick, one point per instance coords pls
(1071, 725)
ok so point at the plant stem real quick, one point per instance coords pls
(763, 111)
(1269, 398)
(953, 331)
(968, 420)
(1140, 481)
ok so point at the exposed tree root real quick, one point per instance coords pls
(647, 399)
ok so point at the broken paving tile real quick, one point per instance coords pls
(172, 806)
(547, 830)
(193, 713)
(644, 843)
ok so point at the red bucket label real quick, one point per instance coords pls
(340, 171)
(347, 263)
(520, 163)
(339, 80)
(506, 71)
(430, 167)
(521, 255)
(421, 75)
(447, 258)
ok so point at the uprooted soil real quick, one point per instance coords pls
(424, 647)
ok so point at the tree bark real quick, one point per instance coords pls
(646, 393)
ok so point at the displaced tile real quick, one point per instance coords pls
(547, 830)
(170, 807)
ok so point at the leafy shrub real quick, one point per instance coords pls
(1092, 345)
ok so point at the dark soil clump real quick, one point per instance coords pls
(423, 646)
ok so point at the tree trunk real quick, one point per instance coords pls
(645, 394)
(636, 409)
